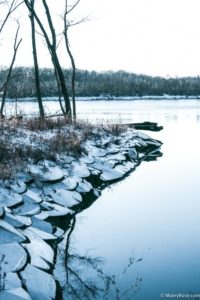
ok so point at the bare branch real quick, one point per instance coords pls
(11, 9)
(83, 20)
(72, 8)
(28, 4)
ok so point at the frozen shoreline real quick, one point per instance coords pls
(56, 190)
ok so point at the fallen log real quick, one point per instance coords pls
(151, 126)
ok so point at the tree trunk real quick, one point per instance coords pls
(52, 47)
(35, 59)
(73, 70)
(5, 87)
(63, 87)
(59, 92)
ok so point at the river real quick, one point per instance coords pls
(146, 228)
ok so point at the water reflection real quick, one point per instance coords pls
(83, 276)
(198, 118)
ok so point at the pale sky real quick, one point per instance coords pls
(155, 37)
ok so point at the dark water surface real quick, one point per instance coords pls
(153, 216)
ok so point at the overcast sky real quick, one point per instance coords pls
(156, 37)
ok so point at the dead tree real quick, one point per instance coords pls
(5, 85)
(35, 60)
(11, 7)
(67, 25)
(52, 47)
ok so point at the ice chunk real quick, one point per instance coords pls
(8, 198)
(13, 257)
(9, 234)
(66, 198)
(38, 246)
(27, 209)
(30, 195)
(39, 284)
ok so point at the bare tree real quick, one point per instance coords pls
(67, 25)
(12, 6)
(35, 59)
(52, 47)
(8, 77)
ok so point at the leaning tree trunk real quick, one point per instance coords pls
(5, 86)
(35, 59)
(59, 92)
(52, 47)
(73, 70)
(63, 86)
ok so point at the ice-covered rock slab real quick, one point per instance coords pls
(118, 157)
(84, 187)
(111, 174)
(125, 167)
(79, 169)
(42, 234)
(24, 177)
(28, 208)
(17, 221)
(43, 215)
(36, 260)
(70, 183)
(11, 281)
(87, 159)
(39, 284)
(101, 165)
(49, 187)
(42, 225)
(8, 234)
(97, 152)
(13, 221)
(43, 173)
(13, 257)
(18, 187)
(38, 246)
(66, 198)
(15, 294)
(55, 210)
(113, 149)
(8, 198)
(30, 195)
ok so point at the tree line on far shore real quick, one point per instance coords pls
(91, 83)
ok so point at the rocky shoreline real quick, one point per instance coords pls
(37, 206)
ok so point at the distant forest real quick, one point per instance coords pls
(91, 83)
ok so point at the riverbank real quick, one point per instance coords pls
(61, 170)
(105, 97)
